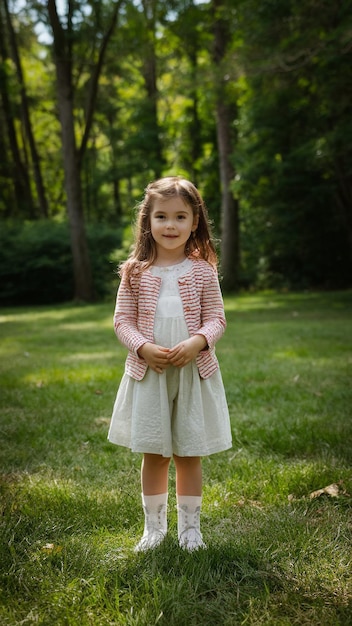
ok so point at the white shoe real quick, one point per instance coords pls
(191, 539)
(150, 540)
(155, 522)
(188, 523)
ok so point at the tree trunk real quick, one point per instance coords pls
(230, 253)
(195, 126)
(229, 205)
(21, 186)
(116, 194)
(81, 262)
(83, 282)
(73, 156)
(43, 204)
(149, 75)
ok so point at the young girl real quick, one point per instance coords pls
(169, 314)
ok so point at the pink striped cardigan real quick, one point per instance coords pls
(203, 309)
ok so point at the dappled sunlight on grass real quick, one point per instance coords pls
(288, 306)
(292, 353)
(83, 326)
(262, 301)
(57, 311)
(70, 500)
(279, 480)
(89, 356)
(48, 376)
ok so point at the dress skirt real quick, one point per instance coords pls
(176, 412)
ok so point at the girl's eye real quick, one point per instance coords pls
(160, 216)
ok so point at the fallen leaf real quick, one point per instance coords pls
(331, 490)
(104, 421)
(335, 490)
(254, 503)
(52, 548)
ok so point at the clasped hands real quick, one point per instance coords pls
(159, 358)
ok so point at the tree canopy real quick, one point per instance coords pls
(250, 100)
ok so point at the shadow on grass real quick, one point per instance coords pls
(255, 307)
(60, 327)
(258, 567)
(233, 584)
(66, 549)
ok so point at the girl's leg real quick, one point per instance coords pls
(189, 500)
(154, 474)
(188, 475)
(154, 480)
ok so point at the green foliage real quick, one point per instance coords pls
(36, 261)
(70, 501)
(294, 153)
(288, 83)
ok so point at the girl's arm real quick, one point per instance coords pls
(125, 318)
(212, 327)
(213, 321)
(125, 324)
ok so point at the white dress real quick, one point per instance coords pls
(176, 412)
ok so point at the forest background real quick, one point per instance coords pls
(250, 100)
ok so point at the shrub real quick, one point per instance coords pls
(36, 261)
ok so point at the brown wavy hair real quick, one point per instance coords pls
(200, 243)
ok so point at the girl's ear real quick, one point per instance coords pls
(195, 223)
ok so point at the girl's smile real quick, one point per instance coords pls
(171, 222)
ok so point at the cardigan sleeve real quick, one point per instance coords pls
(125, 317)
(213, 321)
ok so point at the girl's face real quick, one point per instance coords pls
(171, 222)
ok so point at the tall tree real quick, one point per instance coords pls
(17, 171)
(149, 71)
(42, 200)
(63, 43)
(230, 246)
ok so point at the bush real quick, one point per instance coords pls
(36, 261)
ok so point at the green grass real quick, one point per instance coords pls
(70, 501)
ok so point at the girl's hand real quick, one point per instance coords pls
(155, 356)
(184, 352)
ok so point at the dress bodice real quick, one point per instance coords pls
(170, 303)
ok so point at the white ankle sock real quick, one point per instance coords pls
(155, 521)
(153, 503)
(191, 502)
(188, 522)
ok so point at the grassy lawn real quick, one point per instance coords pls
(278, 553)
